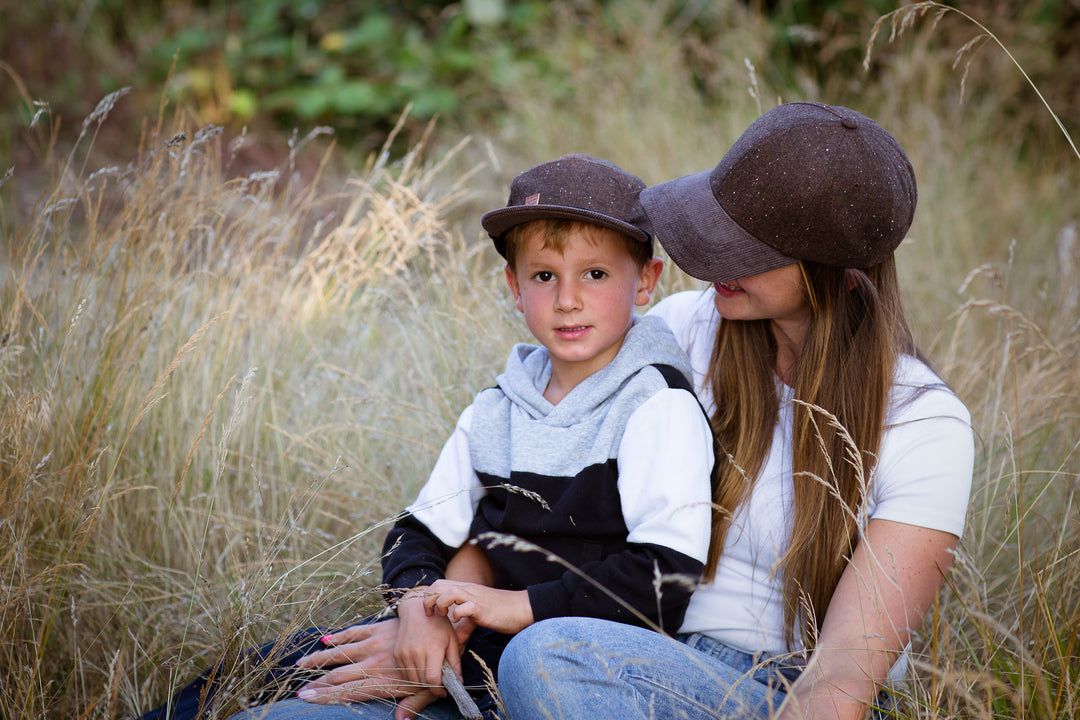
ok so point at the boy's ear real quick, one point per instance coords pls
(512, 281)
(650, 276)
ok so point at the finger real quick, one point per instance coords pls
(408, 708)
(359, 653)
(433, 671)
(453, 656)
(464, 629)
(357, 691)
(464, 610)
(340, 655)
(352, 673)
(361, 632)
(445, 600)
(430, 604)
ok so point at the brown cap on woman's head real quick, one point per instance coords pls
(806, 181)
(573, 187)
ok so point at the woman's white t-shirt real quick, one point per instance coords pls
(923, 478)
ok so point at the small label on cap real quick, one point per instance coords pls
(533, 199)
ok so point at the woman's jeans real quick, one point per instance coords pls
(581, 667)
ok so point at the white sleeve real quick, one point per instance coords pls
(447, 502)
(927, 459)
(665, 463)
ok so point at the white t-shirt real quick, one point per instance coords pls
(923, 478)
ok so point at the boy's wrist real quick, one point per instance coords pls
(410, 598)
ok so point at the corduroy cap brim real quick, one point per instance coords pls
(701, 237)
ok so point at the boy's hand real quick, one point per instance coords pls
(505, 611)
(422, 642)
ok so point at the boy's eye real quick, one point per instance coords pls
(544, 276)
(597, 274)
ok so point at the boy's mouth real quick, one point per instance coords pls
(571, 332)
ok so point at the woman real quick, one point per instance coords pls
(849, 462)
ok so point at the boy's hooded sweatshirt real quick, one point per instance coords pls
(608, 489)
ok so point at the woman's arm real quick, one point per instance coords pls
(894, 574)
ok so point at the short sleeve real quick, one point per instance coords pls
(926, 463)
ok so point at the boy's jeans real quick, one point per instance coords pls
(581, 667)
(567, 668)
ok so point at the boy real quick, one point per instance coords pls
(592, 446)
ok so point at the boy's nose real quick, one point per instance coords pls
(568, 297)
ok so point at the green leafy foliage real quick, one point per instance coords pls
(354, 66)
(357, 66)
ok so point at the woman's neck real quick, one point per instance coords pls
(790, 338)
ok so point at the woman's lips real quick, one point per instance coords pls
(727, 289)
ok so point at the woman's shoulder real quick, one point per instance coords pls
(926, 460)
(686, 311)
(920, 393)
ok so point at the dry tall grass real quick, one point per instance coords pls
(216, 390)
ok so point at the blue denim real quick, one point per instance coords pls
(582, 667)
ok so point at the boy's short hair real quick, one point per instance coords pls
(557, 234)
(573, 187)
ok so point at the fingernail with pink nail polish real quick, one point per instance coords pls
(324, 639)
(306, 694)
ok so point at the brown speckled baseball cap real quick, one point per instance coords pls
(573, 187)
(805, 181)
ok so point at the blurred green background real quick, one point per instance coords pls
(355, 66)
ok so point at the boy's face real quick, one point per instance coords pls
(580, 303)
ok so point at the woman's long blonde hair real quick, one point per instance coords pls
(842, 381)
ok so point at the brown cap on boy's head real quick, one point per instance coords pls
(806, 181)
(573, 187)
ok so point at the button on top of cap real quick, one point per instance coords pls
(849, 122)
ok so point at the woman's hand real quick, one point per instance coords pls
(362, 658)
(505, 611)
(369, 644)
(890, 582)
(364, 668)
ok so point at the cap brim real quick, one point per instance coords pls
(498, 222)
(701, 237)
